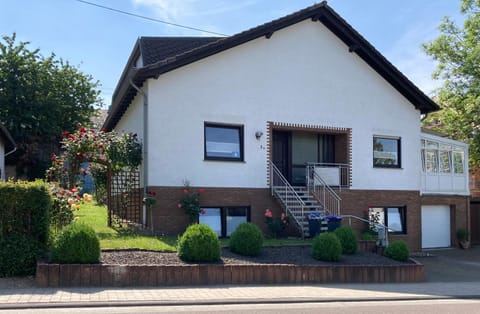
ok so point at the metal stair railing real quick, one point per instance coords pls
(382, 229)
(322, 192)
(288, 196)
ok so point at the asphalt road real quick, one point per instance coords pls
(452, 265)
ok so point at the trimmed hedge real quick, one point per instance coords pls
(199, 243)
(247, 240)
(24, 226)
(18, 255)
(77, 243)
(24, 210)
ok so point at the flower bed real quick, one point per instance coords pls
(164, 269)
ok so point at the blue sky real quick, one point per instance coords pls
(99, 42)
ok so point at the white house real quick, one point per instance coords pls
(302, 108)
(7, 146)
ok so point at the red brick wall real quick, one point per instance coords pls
(169, 219)
(357, 202)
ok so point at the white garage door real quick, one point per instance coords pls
(435, 226)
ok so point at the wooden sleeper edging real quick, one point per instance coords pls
(104, 275)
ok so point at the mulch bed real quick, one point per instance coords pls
(291, 255)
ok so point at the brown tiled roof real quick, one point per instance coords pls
(178, 57)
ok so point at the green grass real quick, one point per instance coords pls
(113, 238)
(110, 238)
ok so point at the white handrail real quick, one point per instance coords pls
(323, 192)
(368, 221)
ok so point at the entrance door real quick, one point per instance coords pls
(281, 152)
(435, 226)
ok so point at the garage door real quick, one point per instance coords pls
(435, 226)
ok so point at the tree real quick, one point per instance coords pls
(40, 97)
(457, 51)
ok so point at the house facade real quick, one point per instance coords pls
(7, 146)
(300, 114)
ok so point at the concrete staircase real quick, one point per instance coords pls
(289, 200)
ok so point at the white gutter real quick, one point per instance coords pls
(145, 147)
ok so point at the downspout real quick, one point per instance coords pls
(145, 148)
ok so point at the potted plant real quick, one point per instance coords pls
(462, 236)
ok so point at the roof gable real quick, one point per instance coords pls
(175, 57)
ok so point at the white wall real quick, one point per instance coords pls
(302, 74)
(132, 120)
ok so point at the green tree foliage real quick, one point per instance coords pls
(457, 51)
(40, 97)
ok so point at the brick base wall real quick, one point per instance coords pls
(166, 218)
(357, 203)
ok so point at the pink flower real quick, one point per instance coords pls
(201, 191)
(268, 213)
(282, 216)
(179, 205)
(185, 191)
(203, 211)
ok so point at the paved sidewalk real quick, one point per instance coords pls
(75, 297)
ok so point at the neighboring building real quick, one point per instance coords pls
(7, 146)
(302, 89)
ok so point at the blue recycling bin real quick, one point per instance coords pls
(314, 223)
(333, 222)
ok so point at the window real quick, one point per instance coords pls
(224, 220)
(386, 152)
(393, 217)
(442, 158)
(458, 160)
(223, 142)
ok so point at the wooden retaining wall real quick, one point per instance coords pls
(101, 275)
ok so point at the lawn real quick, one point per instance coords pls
(117, 238)
(113, 238)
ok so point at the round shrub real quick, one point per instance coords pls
(347, 238)
(199, 243)
(18, 256)
(76, 244)
(326, 247)
(397, 251)
(247, 240)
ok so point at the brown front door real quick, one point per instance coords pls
(281, 152)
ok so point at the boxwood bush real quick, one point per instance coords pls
(326, 247)
(199, 243)
(397, 251)
(77, 243)
(247, 240)
(348, 239)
